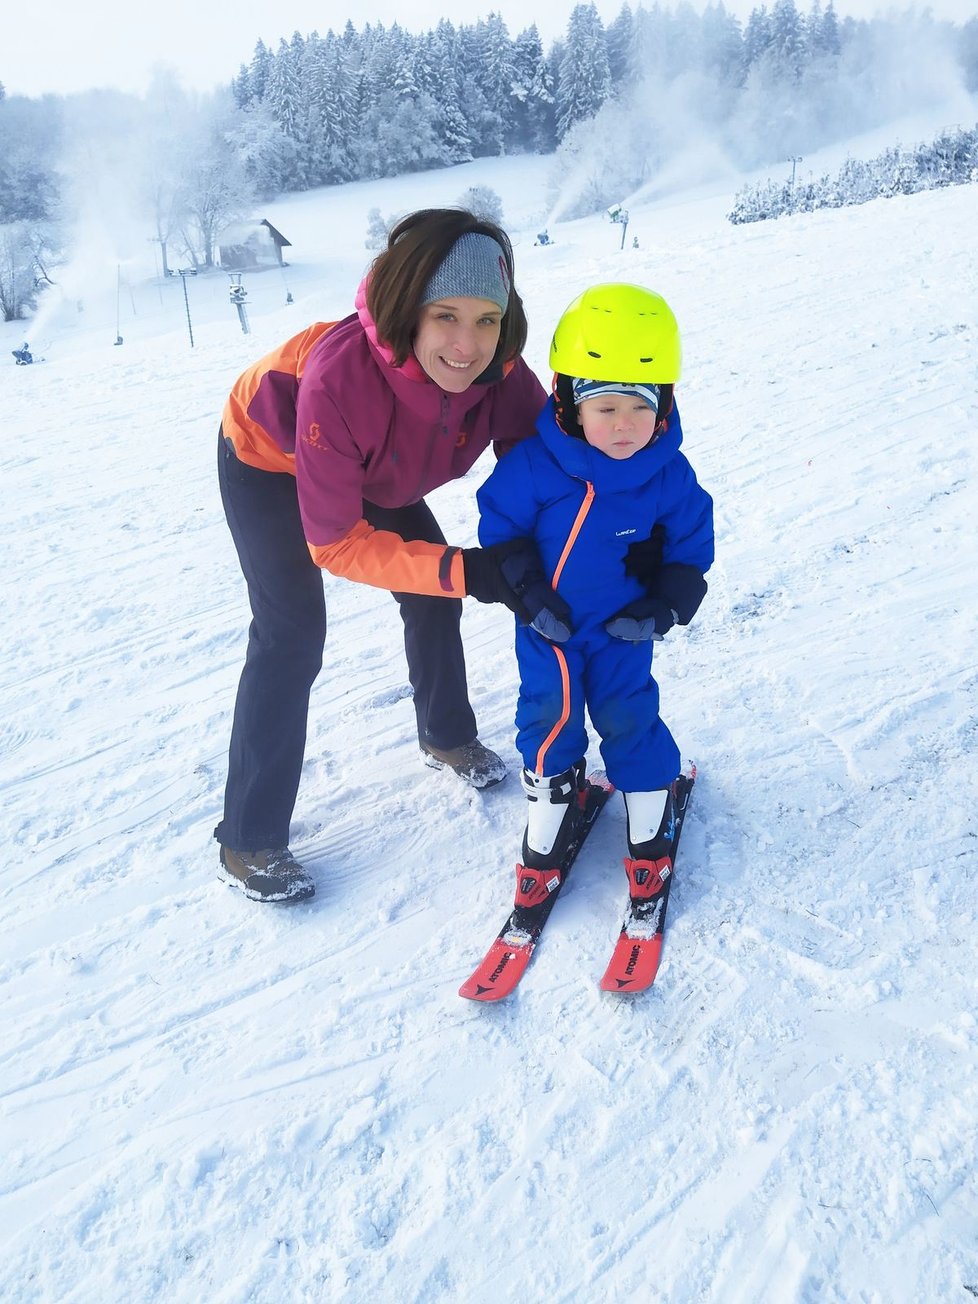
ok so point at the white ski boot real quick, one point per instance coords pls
(553, 815)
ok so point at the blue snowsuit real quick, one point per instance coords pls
(584, 509)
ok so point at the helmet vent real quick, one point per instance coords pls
(591, 354)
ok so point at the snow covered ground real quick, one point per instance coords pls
(205, 1099)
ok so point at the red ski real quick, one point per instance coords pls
(635, 960)
(536, 894)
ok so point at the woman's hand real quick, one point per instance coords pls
(512, 573)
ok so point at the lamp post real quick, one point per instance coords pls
(619, 213)
(183, 273)
(238, 295)
(118, 294)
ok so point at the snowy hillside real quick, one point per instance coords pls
(204, 1099)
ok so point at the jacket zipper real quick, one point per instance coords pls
(575, 530)
(443, 426)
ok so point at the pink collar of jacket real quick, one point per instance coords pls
(412, 368)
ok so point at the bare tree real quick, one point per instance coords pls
(169, 119)
(215, 187)
(484, 202)
(25, 252)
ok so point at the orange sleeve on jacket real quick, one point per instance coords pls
(253, 444)
(386, 561)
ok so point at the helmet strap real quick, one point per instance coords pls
(565, 409)
(665, 407)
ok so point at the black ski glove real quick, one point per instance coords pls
(682, 588)
(512, 573)
(485, 581)
(645, 620)
(644, 558)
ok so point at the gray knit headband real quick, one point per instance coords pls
(474, 268)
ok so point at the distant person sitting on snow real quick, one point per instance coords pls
(626, 534)
(543, 238)
(23, 355)
(327, 448)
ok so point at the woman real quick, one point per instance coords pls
(327, 448)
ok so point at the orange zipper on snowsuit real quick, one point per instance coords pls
(575, 530)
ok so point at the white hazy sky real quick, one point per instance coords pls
(116, 43)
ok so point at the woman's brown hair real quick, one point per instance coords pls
(416, 247)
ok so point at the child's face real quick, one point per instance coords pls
(617, 424)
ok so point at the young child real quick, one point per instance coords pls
(625, 533)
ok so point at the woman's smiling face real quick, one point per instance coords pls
(457, 339)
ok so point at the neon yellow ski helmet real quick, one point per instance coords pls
(618, 332)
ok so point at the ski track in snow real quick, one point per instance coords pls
(201, 1098)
